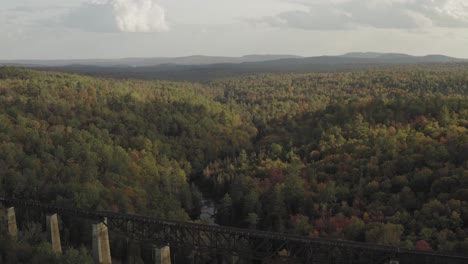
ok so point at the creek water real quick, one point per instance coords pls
(208, 211)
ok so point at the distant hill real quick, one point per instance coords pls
(400, 57)
(143, 62)
(375, 55)
(205, 68)
(266, 60)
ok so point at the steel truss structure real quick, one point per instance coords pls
(244, 245)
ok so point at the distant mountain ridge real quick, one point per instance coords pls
(401, 57)
(143, 62)
(352, 57)
(206, 68)
(375, 55)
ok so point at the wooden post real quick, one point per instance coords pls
(12, 228)
(101, 247)
(53, 233)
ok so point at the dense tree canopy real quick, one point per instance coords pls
(379, 156)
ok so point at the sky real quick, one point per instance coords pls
(85, 29)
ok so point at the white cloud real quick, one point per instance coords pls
(384, 14)
(118, 15)
(450, 13)
(139, 16)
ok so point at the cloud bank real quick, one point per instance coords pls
(384, 14)
(118, 16)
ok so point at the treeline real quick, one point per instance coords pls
(378, 156)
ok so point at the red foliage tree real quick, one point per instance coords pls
(423, 245)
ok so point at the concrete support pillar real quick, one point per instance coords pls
(12, 228)
(101, 247)
(53, 233)
(162, 255)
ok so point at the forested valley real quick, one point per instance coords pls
(377, 156)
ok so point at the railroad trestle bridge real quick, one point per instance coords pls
(240, 245)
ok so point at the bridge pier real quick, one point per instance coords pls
(101, 247)
(12, 228)
(53, 233)
(162, 255)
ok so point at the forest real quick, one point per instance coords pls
(377, 155)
